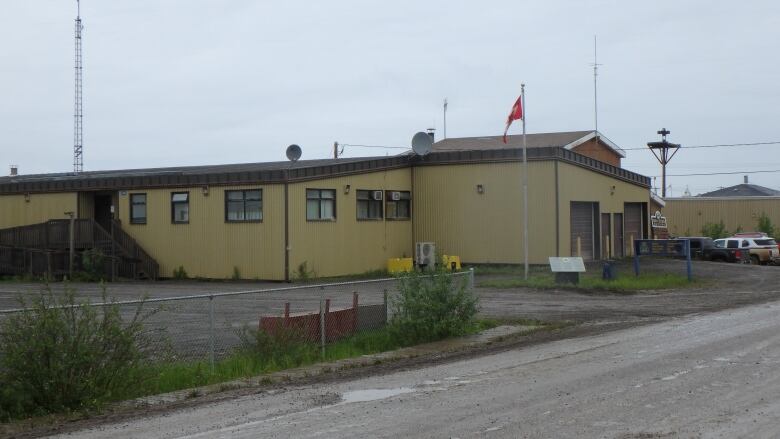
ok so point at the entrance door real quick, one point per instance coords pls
(618, 245)
(606, 236)
(582, 230)
(633, 224)
(103, 210)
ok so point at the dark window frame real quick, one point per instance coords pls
(243, 204)
(320, 199)
(132, 208)
(173, 207)
(369, 201)
(408, 202)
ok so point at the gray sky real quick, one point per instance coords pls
(192, 82)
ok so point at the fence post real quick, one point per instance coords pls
(385, 303)
(211, 332)
(471, 278)
(322, 322)
(354, 311)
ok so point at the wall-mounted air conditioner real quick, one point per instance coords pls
(425, 255)
(376, 195)
(395, 196)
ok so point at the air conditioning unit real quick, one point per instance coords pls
(395, 196)
(376, 195)
(425, 255)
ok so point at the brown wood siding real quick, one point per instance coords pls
(597, 150)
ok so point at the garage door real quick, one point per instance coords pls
(582, 228)
(633, 224)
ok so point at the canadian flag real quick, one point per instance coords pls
(515, 114)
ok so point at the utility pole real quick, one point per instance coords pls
(595, 88)
(663, 155)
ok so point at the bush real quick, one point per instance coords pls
(715, 231)
(432, 306)
(765, 225)
(282, 348)
(59, 355)
(180, 273)
(93, 263)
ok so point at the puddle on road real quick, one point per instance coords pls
(372, 394)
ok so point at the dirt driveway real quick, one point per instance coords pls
(723, 286)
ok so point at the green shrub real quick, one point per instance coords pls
(765, 225)
(303, 273)
(715, 231)
(432, 306)
(236, 273)
(59, 355)
(180, 273)
(279, 349)
(93, 263)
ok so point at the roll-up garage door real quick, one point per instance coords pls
(582, 228)
(632, 216)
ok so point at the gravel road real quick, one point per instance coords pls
(712, 375)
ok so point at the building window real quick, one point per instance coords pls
(137, 208)
(180, 207)
(369, 205)
(244, 206)
(320, 204)
(398, 205)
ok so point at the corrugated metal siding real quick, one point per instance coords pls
(86, 205)
(633, 218)
(687, 216)
(15, 211)
(346, 245)
(578, 184)
(487, 227)
(208, 246)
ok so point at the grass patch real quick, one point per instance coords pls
(623, 284)
(506, 269)
(245, 364)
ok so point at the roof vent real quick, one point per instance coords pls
(14, 170)
(432, 133)
(746, 180)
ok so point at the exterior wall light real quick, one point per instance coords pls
(27, 197)
(205, 191)
(612, 190)
(347, 188)
(480, 189)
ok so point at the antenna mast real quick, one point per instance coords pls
(78, 116)
(595, 88)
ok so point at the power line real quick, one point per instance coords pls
(375, 146)
(724, 173)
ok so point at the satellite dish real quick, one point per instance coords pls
(293, 152)
(422, 143)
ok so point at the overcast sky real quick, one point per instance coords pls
(177, 82)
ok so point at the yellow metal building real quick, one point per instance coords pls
(687, 216)
(344, 216)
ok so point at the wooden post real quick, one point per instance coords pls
(579, 247)
(609, 248)
(631, 245)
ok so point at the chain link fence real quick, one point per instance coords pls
(211, 326)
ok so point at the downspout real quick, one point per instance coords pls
(286, 228)
(557, 214)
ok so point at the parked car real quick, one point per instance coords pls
(700, 245)
(763, 248)
(728, 250)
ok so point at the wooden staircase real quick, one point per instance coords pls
(44, 248)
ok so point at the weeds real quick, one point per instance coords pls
(180, 273)
(61, 356)
(623, 284)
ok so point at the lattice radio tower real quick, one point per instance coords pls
(78, 115)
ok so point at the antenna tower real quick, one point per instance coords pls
(595, 94)
(78, 115)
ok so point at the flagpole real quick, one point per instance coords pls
(525, 186)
